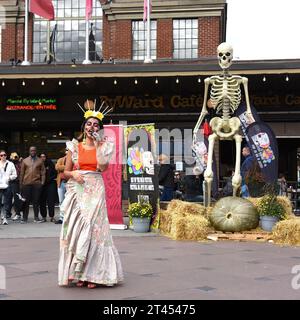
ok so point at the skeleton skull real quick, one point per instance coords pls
(225, 55)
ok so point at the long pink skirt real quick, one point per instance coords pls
(87, 251)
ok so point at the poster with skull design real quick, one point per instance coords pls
(264, 147)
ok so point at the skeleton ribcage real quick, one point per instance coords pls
(225, 95)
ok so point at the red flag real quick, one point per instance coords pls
(146, 9)
(206, 129)
(43, 8)
(88, 9)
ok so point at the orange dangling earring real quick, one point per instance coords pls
(84, 139)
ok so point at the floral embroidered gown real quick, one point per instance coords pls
(87, 252)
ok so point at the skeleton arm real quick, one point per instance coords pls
(245, 84)
(204, 111)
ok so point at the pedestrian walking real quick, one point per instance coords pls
(14, 189)
(7, 174)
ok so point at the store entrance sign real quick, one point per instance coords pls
(31, 103)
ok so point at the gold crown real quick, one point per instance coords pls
(90, 111)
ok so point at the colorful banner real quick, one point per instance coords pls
(113, 175)
(241, 113)
(261, 141)
(142, 175)
(264, 147)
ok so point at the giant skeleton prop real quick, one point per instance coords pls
(225, 98)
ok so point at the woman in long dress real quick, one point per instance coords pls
(87, 253)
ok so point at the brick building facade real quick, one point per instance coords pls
(117, 26)
(117, 40)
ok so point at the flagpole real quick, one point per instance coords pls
(25, 61)
(87, 60)
(148, 54)
(48, 42)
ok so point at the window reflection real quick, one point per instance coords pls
(185, 39)
(139, 39)
(70, 32)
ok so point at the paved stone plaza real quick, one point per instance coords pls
(155, 267)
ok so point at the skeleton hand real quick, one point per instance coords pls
(250, 118)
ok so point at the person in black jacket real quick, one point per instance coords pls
(193, 186)
(49, 190)
(166, 178)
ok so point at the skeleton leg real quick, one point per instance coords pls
(208, 174)
(237, 179)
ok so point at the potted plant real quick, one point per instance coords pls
(270, 211)
(140, 214)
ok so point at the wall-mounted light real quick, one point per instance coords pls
(43, 83)
(23, 83)
(135, 81)
(199, 80)
(77, 83)
(59, 83)
(177, 80)
(287, 78)
(60, 133)
(115, 82)
(264, 79)
(156, 81)
(3, 84)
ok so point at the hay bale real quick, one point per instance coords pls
(287, 205)
(173, 205)
(165, 222)
(177, 231)
(254, 201)
(197, 228)
(287, 232)
(191, 227)
(184, 208)
(184, 221)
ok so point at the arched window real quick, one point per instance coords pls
(67, 33)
